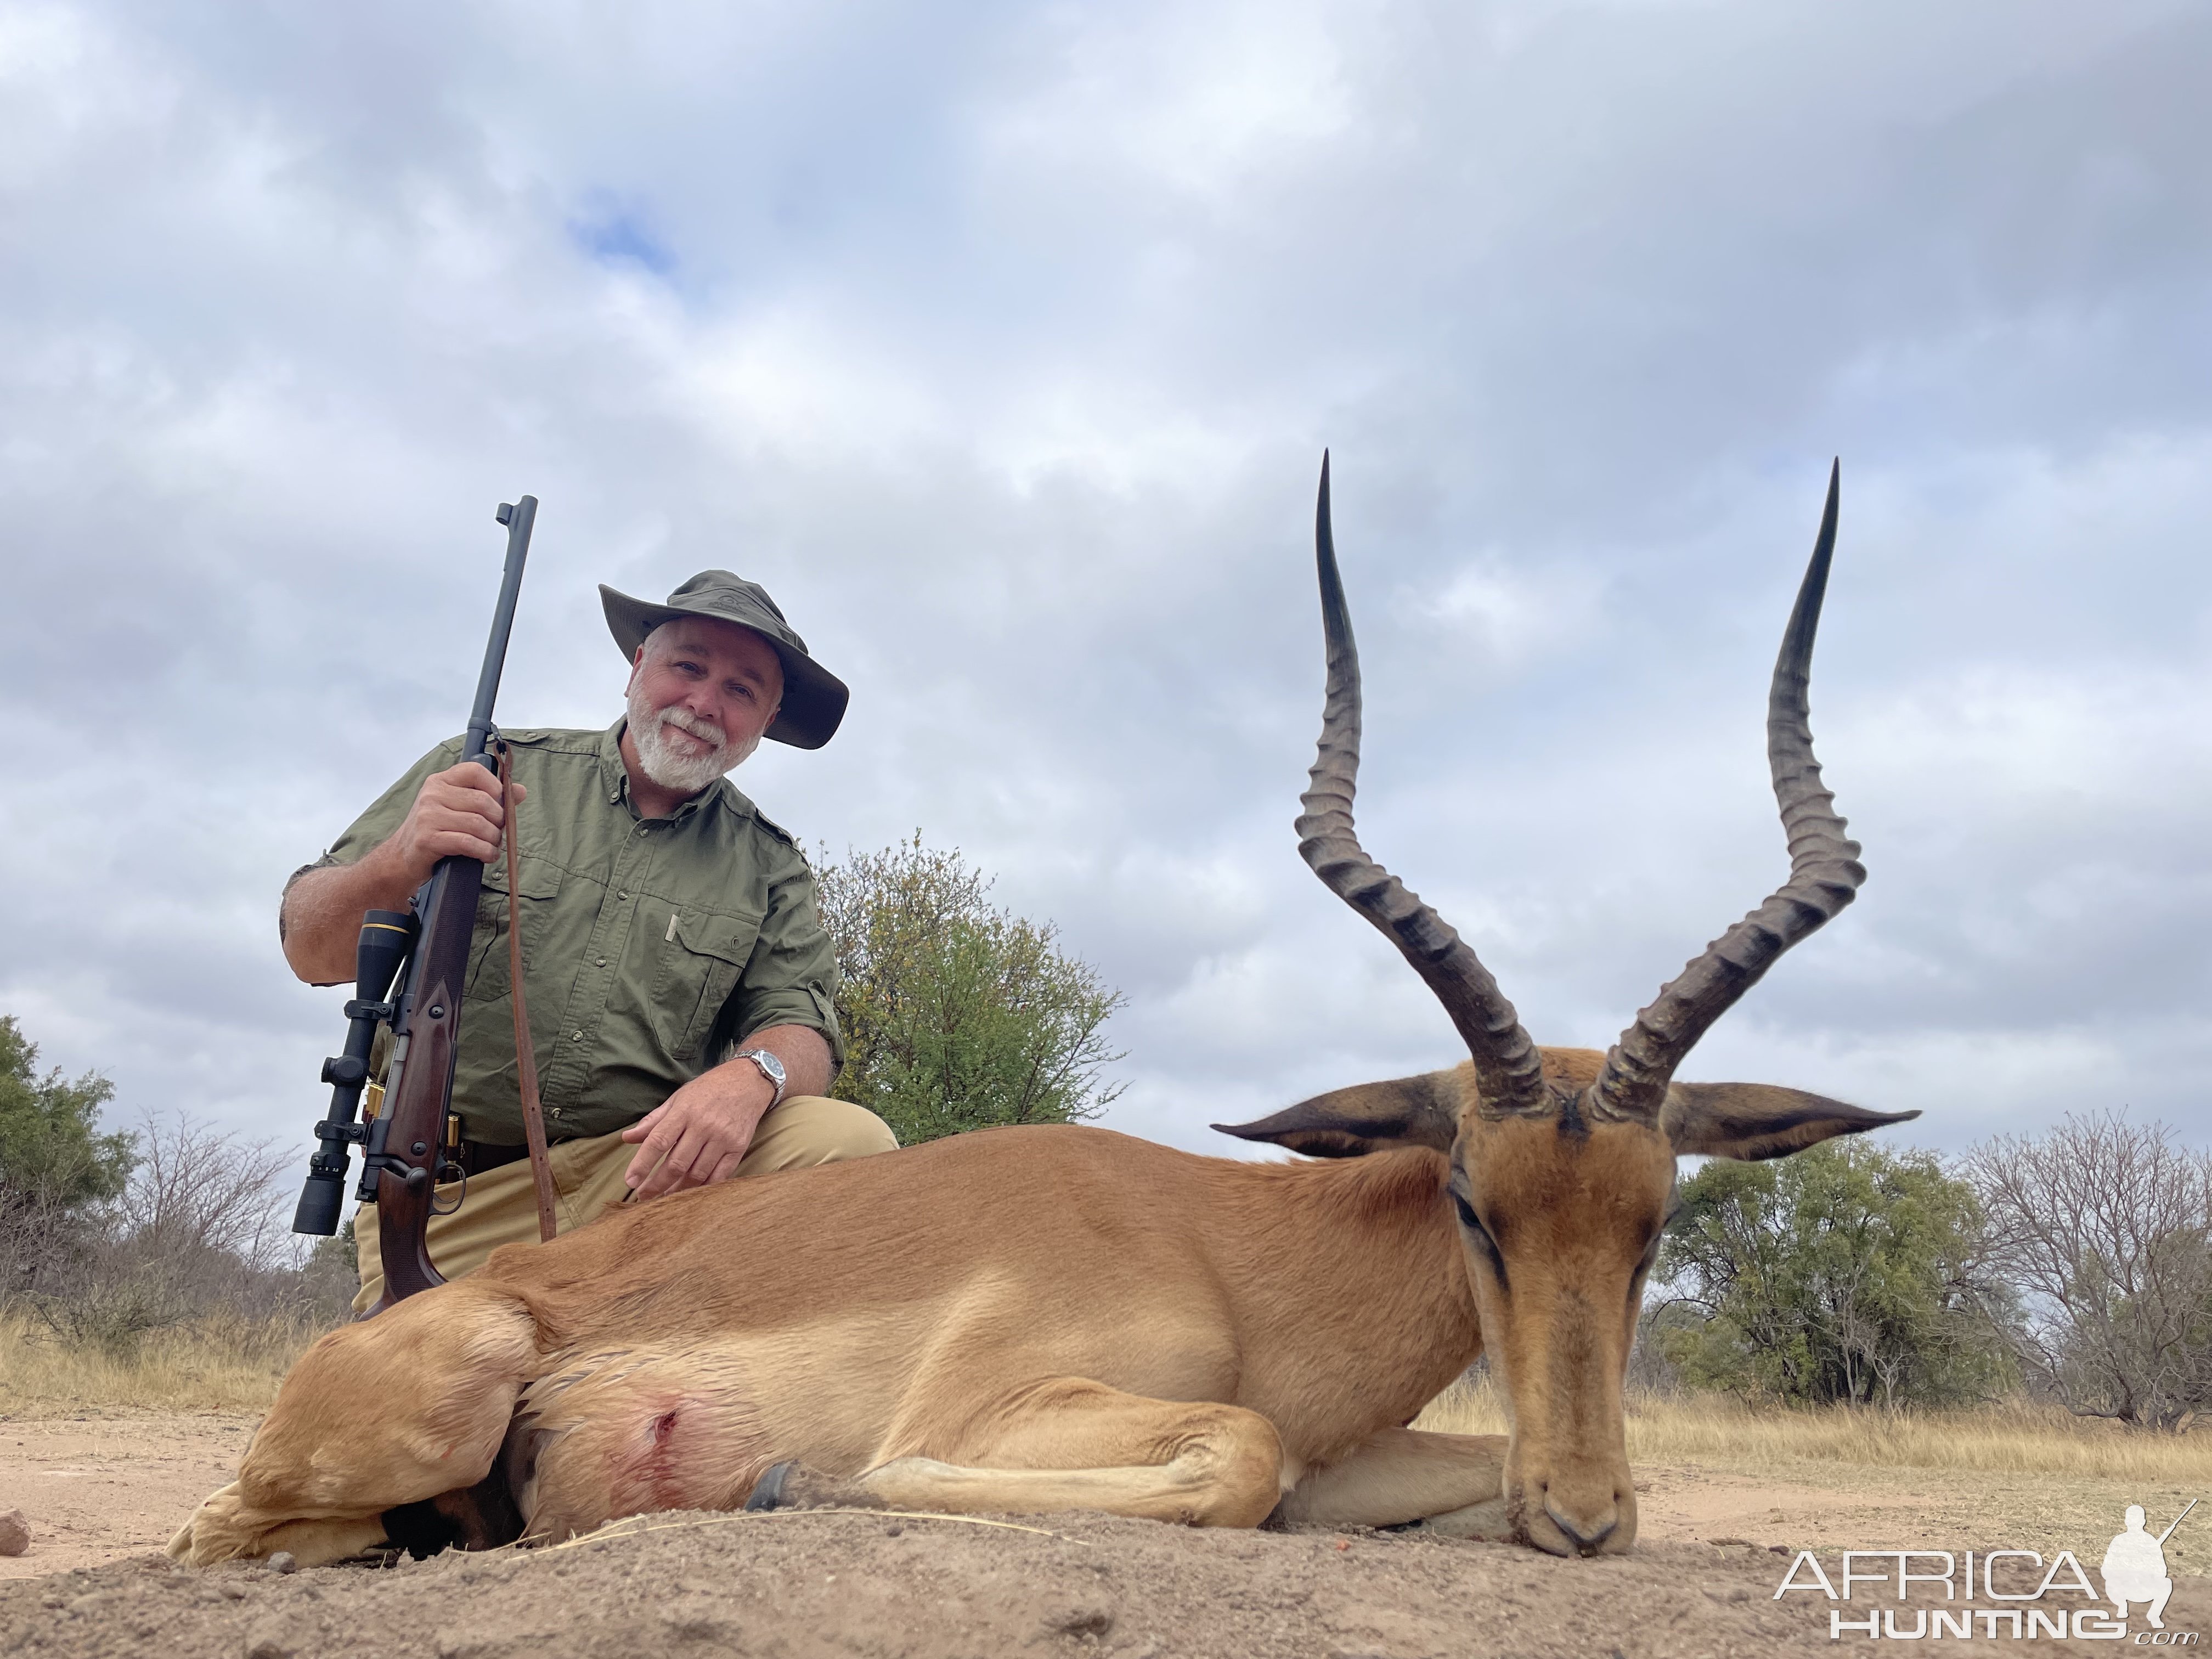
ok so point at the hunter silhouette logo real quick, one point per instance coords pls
(2133, 1570)
(2135, 1566)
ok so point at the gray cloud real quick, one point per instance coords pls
(1002, 345)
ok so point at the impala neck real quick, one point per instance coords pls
(1349, 1290)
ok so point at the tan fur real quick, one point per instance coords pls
(1016, 1319)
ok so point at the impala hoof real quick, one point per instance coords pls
(768, 1491)
(790, 1486)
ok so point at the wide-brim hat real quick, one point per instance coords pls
(814, 699)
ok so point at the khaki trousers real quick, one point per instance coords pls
(500, 1206)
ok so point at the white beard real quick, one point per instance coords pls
(685, 774)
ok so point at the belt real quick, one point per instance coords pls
(475, 1157)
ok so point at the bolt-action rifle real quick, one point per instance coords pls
(425, 951)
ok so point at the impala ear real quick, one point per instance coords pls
(1754, 1120)
(1368, 1117)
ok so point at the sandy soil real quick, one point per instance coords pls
(102, 1495)
(98, 1489)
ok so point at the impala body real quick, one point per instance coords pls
(1063, 1317)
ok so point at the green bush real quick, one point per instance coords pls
(52, 1152)
(1845, 1274)
(58, 1172)
(957, 1015)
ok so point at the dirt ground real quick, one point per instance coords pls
(103, 1493)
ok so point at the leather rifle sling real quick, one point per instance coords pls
(526, 1058)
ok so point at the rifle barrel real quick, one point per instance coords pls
(518, 518)
(2177, 1520)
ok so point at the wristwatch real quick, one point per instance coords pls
(770, 1067)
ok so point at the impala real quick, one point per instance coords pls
(1056, 1317)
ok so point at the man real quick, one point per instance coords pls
(2134, 1569)
(678, 982)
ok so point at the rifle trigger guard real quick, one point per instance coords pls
(460, 1174)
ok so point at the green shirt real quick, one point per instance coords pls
(649, 945)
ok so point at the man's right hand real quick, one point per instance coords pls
(457, 814)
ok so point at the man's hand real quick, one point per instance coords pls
(706, 1127)
(699, 1135)
(456, 811)
(457, 814)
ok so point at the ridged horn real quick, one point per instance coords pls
(1508, 1076)
(1825, 874)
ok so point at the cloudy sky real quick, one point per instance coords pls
(1002, 341)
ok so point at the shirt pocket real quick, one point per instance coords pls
(701, 958)
(489, 980)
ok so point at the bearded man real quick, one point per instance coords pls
(678, 982)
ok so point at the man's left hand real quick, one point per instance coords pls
(699, 1135)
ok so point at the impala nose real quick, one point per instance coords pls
(1585, 1532)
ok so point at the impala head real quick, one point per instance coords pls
(1561, 1161)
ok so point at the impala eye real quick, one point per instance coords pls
(1473, 1222)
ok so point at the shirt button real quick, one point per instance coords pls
(621, 894)
(576, 1037)
(602, 962)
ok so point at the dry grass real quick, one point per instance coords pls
(220, 1364)
(1720, 1433)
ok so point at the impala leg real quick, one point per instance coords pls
(1401, 1475)
(1070, 1444)
(407, 1406)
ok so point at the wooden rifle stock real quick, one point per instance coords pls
(407, 1143)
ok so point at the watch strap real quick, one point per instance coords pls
(770, 1067)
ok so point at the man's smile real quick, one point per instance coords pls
(693, 743)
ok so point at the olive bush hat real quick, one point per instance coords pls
(813, 698)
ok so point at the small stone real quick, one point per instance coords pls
(269, 1643)
(15, 1533)
(283, 1561)
(1080, 1619)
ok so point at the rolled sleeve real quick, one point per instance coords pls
(791, 979)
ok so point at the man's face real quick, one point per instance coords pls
(701, 695)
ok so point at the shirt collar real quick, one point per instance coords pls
(614, 783)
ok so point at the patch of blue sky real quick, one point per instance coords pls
(615, 236)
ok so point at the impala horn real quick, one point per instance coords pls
(1508, 1076)
(1825, 874)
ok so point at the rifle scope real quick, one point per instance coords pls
(387, 937)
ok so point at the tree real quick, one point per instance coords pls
(56, 1167)
(957, 1015)
(1846, 1273)
(2106, 1226)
